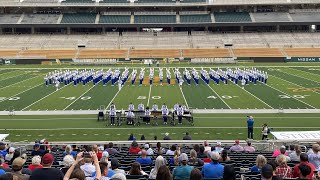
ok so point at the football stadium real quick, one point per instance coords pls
(159, 89)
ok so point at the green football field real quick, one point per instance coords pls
(23, 89)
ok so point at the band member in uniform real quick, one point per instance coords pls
(165, 113)
(180, 114)
(147, 115)
(164, 106)
(140, 107)
(154, 107)
(130, 117)
(112, 114)
(131, 107)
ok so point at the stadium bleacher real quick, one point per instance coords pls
(232, 17)
(78, 1)
(193, 1)
(114, 19)
(9, 18)
(115, 1)
(195, 18)
(271, 17)
(138, 19)
(78, 18)
(40, 19)
(155, 1)
(306, 16)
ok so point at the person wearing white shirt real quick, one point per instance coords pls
(131, 107)
(165, 113)
(147, 115)
(180, 113)
(112, 114)
(140, 107)
(154, 107)
(130, 117)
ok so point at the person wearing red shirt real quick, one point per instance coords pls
(36, 163)
(2, 163)
(134, 149)
(303, 160)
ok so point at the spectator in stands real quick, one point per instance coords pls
(68, 160)
(250, 123)
(278, 152)
(105, 171)
(134, 149)
(160, 150)
(132, 138)
(249, 148)
(3, 165)
(310, 150)
(187, 137)
(111, 150)
(201, 153)
(295, 155)
(148, 149)
(144, 160)
(166, 136)
(196, 174)
(291, 150)
(175, 159)
(260, 162)
(46, 173)
(224, 156)
(213, 169)
(283, 170)
(264, 132)
(97, 151)
(193, 160)
(303, 160)
(160, 161)
(164, 173)
(118, 176)
(236, 147)
(184, 170)
(3, 150)
(229, 173)
(17, 166)
(143, 138)
(208, 158)
(36, 163)
(274, 167)
(115, 166)
(9, 155)
(171, 150)
(68, 151)
(218, 148)
(105, 158)
(207, 147)
(136, 169)
(314, 158)
(87, 167)
(37, 151)
(304, 171)
(6, 176)
(267, 172)
(283, 152)
(76, 173)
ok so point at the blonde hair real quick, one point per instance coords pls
(176, 156)
(36, 160)
(193, 154)
(68, 160)
(281, 159)
(68, 149)
(261, 161)
(160, 161)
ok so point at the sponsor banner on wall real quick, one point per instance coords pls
(297, 135)
(303, 59)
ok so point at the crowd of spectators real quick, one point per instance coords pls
(203, 161)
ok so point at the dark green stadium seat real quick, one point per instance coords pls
(194, 18)
(115, 1)
(154, 19)
(232, 17)
(78, 1)
(78, 18)
(114, 19)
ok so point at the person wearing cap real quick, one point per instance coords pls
(277, 152)
(47, 172)
(187, 137)
(17, 166)
(218, 148)
(267, 172)
(115, 167)
(303, 160)
(36, 163)
(144, 160)
(314, 158)
(214, 169)
(166, 136)
(184, 170)
(9, 155)
(3, 150)
(37, 151)
(236, 147)
(250, 123)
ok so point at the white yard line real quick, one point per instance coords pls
(305, 71)
(22, 92)
(290, 96)
(13, 76)
(222, 117)
(149, 95)
(18, 82)
(300, 77)
(144, 128)
(255, 97)
(291, 82)
(216, 93)
(185, 100)
(79, 97)
(43, 98)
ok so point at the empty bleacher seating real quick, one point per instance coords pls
(257, 52)
(155, 1)
(154, 19)
(306, 16)
(115, 1)
(115, 19)
(195, 18)
(232, 17)
(154, 53)
(103, 53)
(193, 1)
(302, 52)
(9, 18)
(271, 17)
(40, 19)
(75, 18)
(204, 53)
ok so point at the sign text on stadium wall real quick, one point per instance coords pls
(304, 59)
(297, 135)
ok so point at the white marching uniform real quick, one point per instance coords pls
(131, 107)
(154, 107)
(140, 107)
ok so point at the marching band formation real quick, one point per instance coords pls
(76, 77)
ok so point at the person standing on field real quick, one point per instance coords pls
(250, 123)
